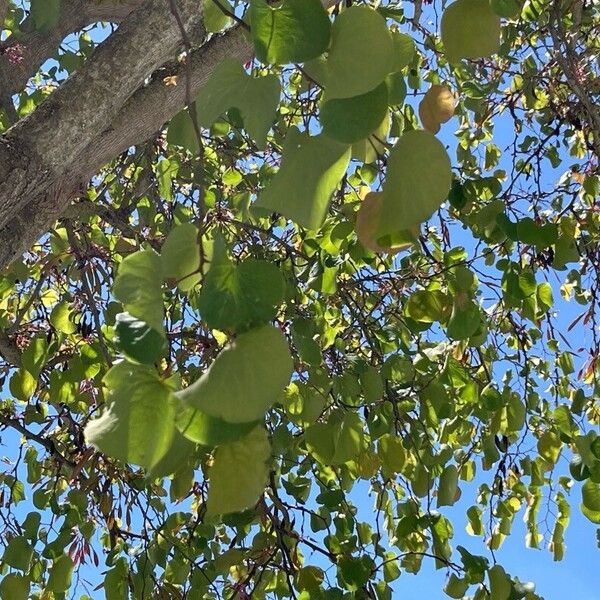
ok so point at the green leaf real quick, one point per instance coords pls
(549, 446)
(294, 32)
(417, 182)
(245, 379)
(180, 256)
(369, 149)
(337, 441)
(392, 454)
(45, 14)
(350, 120)
(428, 306)
(215, 20)
(238, 474)
(14, 587)
(138, 286)
(362, 53)
(590, 495)
(18, 553)
(456, 587)
(60, 318)
(404, 50)
(448, 486)
(355, 572)
(396, 86)
(470, 29)
(465, 320)
(137, 340)
(230, 86)
(209, 431)
(311, 170)
(309, 578)
(500, 584)
(138, 425)
(239, 296)
(116, 585)
(61, 571)
(178, 453)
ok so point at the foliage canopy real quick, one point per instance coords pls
(266, 265)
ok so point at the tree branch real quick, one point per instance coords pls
(38, 151)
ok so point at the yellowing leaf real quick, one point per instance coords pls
(436, 107)
(245, 379)
(367, 222)
(238, 474)
(470, 29)
(311, 170)
(417, 182)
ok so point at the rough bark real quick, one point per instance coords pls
(40, 150)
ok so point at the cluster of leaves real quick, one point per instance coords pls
(289, 295)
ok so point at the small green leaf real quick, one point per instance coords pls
(590, 495)
(500, 584)
(245, 379)
(60, 318)
(215, 19)
(448, 486)
(231, 87)
(61, 571)
(14, 587)
(337, 441)
(311, 170)
(138, 425)
(294, 32)
(549, 446)
(18, 553)
(470, 29)
(428, 306)
(239, 473)
(350, 120)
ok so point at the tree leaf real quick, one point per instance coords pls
(239, 296)
(238, 474)
(61, 571)
(417, 182)
(18, 553)
(436, 107)
(14, 587)
(180, 255)
(245, 379)
(207, 430)
(138, 425)
(428, 306)
(350, 120)
(293, 32)
(138, 286)
(311, 170)
(215, 20)
(362, 53)
(470, 29)
(137, 340)
(500, 584)
(448, 486)
(230, 86)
